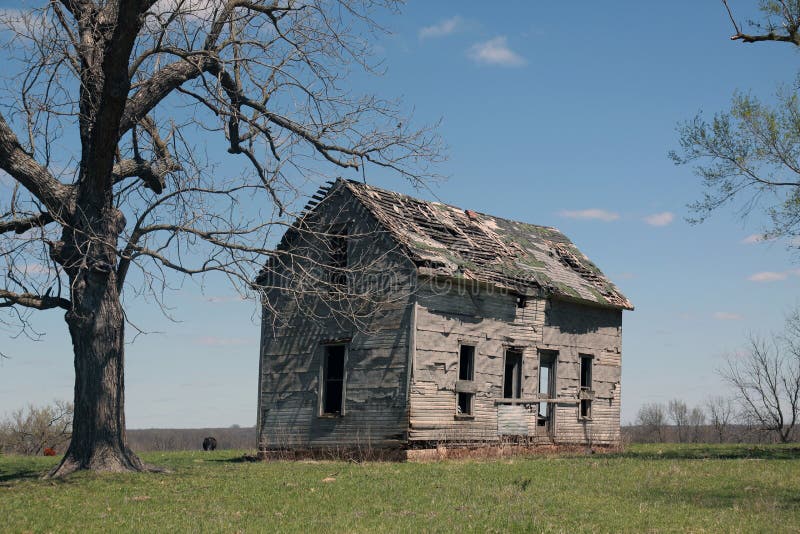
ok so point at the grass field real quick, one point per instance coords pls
(661, 488)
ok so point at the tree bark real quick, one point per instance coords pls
(96, 325)
(96, 322)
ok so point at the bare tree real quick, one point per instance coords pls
(679, 415)
(766, 379)
(31, 430)
(721, 412)
(652, 419)
(696, 421)
(106, 136)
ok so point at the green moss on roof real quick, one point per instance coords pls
(564, 289)
(425, 246)
(530, 261)
(597, 295)
(499, 251)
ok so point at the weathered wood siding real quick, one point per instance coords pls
(292, 351)
(448, 316)
(401, 379)
(573, 329)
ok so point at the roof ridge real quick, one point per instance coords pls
(446, 240)
(365, 185)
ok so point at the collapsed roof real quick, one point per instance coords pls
(447, 241)
(444, 240)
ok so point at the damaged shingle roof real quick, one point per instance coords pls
(447, 241)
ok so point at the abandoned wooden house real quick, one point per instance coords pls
(393, 321)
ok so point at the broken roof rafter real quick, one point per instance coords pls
(445, 240)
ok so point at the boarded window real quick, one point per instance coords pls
(512, 377)
(466, 371)
(586, 386)
(333, 380)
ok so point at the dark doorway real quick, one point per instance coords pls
(333, 380)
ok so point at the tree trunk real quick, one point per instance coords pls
(96, 325)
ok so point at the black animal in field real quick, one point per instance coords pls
(209, 444)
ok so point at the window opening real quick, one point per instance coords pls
(586, 386)
(512, 377)
(333, 380)
(547, 364)
(466, 371)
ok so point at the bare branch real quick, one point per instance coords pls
(790, 26)
(20, 226)
(23, 168)
(766, 379)
(152, 175)
(39, 302)
(733, 21)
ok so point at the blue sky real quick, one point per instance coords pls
(556, 114)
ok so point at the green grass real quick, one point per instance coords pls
(661, 488)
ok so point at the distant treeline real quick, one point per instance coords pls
(36, 430)
(668, 433)
(171, 439)
(46, 429)
(187, 439)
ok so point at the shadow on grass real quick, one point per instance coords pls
(236, 459)
(722, 452)
(727, 498)
(665, 451)
(8, 477)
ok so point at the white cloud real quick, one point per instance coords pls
(213, 341)
(223, 299)
(12, 15)
(36, 268)
(660, 219)
(768, 276)
(192, 11)
(444, 28)
(773, 276)
(23, 22)
(199, 8)
(495, 52)
(592, 213)
(727, 316)
(755, 238)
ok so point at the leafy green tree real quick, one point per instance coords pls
(749, 156)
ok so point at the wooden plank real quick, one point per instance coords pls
(466, 386)
(512, 420)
